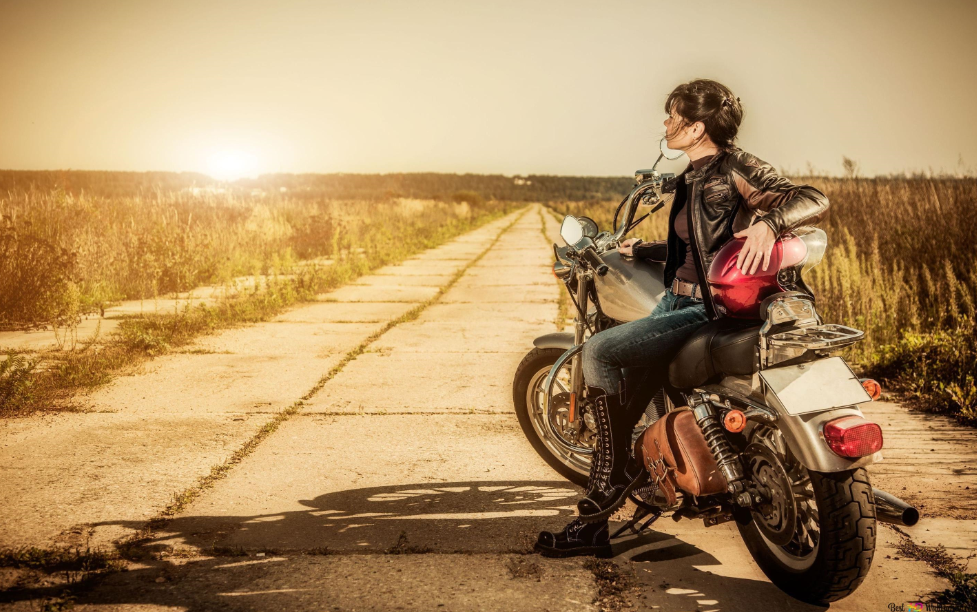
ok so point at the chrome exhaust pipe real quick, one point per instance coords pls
(891, 509)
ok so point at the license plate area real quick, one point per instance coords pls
(815, 386)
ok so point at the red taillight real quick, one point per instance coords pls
(853, 437)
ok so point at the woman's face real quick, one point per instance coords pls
(679, 134)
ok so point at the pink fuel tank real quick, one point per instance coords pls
(737, 294)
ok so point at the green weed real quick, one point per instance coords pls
(17, 381)
(936, 369)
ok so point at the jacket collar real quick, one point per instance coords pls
(695, 175)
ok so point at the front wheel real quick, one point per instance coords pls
(828, 552)
(528, 396)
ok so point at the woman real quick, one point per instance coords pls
(725, 192)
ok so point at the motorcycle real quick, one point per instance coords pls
(776, 409)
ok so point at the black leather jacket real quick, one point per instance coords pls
(723, 197)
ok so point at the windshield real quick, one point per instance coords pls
(816, 242)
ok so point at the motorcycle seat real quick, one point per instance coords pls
(725, 347)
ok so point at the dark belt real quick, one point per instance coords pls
(692, 290)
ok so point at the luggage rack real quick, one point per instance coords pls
(816, 337)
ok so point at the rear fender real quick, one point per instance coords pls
(803, 435)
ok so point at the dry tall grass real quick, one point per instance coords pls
(63, 254)
(902, 265)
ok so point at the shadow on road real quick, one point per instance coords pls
(292, 559)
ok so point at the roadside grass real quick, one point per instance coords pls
(962, 594)
(901, 265)
(934, 370)
(30, 384)
(17, 381)
(67, 254)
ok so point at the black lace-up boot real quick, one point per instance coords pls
(577, 538)
(614, 472)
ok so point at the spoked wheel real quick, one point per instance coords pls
(529, 395)
(816, 538)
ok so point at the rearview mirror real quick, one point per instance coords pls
(571, 231)
(669, 153)
(588, 226)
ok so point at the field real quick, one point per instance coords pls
(900, 264)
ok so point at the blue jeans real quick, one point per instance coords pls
(640, 351)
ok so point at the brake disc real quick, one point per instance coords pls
(559, 415)
(777, 520)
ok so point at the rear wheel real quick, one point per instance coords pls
(528, 396)
(817, 545)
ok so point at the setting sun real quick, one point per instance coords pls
(231, 165)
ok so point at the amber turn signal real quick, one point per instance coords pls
(873, 388)
(734, 421)
(573, 407)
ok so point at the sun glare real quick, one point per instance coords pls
(230, 165)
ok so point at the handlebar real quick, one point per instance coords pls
(595, 261)
(650, 183)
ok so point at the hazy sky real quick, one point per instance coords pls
(488, 87)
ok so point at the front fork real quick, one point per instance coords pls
(573, 356)
(579, 329)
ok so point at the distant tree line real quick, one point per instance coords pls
(107, 184)
(424, 185)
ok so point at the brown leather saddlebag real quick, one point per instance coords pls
(675, 453)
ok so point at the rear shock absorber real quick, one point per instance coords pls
(729, 463)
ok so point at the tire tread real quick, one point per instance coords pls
(847, 545)
(849, 531)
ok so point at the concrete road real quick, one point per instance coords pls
(402, 483)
